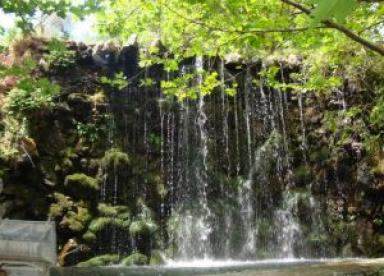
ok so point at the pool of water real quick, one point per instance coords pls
(289, 267)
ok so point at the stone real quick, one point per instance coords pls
(103, 260)
(135, 259)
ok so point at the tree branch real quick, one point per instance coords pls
(243, 32)
(331, 24)
(372, 1)
(372, 26)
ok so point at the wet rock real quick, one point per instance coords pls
(116, 159)
(103, 260)
(80, 105)
(105, 55)
(83, 163)
(135, 259)
(364, 175)
(71, 244)
(157, 258)
(142, 227)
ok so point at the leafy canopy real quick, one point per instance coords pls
(25, 10)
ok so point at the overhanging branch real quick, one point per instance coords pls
(341, 28)
(235, 31)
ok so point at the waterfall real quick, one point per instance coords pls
(193, 230)
(224, 103)
(225, 165)
(289, 230)
(304, 146)
(247, 115)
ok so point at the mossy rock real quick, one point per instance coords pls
(119, 211)
(74, 215)
(82, 180)
(116, 158)
(142, 227)
(135, 259)
(76, 221)
(101, 223)
(62, 203)
(157, 258)
(89, 236)
(103, 260)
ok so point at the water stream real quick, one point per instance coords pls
(289, 267)
(225, 169)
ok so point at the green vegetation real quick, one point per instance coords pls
(30, 93)
(142, 227)
(119, 81)
(59, 56)
(103, 260)
(115, 158)
(26, 10)
(135, 259)
(82, 180)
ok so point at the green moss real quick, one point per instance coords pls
(83, 180)
(74, 215)
(135, 259)
(31, 95)
(119, 211)
(89, 236)
(106, 210)
(76, 220)
(142, 227)
(101, 223)
(58, 208)
(124, 215)
(115, 158)
(67, 164)
(69, 152)
(103, 260)
(122, 224)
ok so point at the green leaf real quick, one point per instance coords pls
(333, 9)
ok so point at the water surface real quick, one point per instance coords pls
(289, 267)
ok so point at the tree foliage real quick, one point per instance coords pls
(25, 10)
(212, 26)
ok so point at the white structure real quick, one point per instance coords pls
(27, 248)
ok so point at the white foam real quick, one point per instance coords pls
(208, 263)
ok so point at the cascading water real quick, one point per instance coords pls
(224, 162)
(289, 230)
(193, 229)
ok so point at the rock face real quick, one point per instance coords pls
(117, 168)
